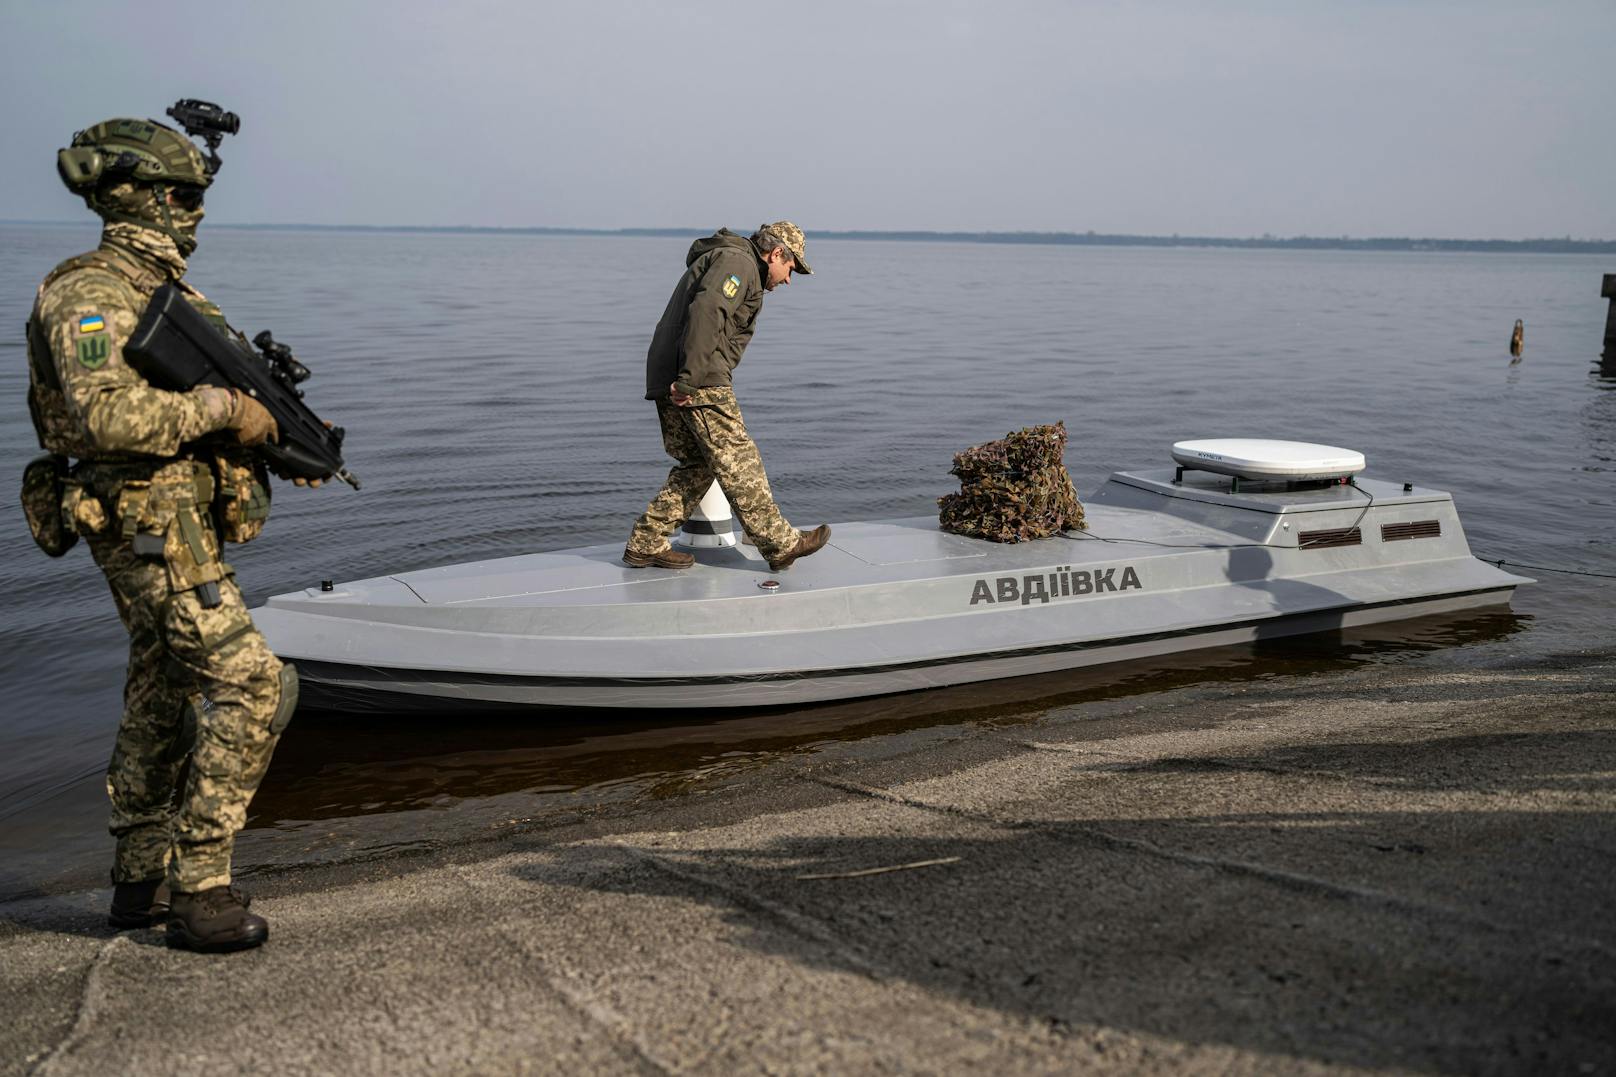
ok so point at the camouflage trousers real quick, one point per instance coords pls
(708, 440)
(204, 688)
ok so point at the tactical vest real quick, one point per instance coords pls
(53, 421)
(175, 509)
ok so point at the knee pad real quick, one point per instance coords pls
(288, 702)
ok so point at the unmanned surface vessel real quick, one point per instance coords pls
(1245, 540)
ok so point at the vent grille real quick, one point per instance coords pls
(1416, 529)
(1321, 540)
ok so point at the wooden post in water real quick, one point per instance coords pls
(1609, 292)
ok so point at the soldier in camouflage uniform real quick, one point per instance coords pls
(688, 372)
(203, 687)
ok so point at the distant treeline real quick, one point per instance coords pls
(1567, 245)
(1077, 239)
(1306, 243)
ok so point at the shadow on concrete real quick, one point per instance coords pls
(1437, 941)
(1462, 762)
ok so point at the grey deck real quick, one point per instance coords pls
(888, 605)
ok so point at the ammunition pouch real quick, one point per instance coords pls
(83, 511)
(168, 523)
(241, 497)
(44, 484)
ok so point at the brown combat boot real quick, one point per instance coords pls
(214, 921)
(808, 542)
(139, 904)
(669, 558)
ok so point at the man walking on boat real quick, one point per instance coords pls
(688, 373)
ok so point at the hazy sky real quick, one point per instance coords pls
(1462, 119)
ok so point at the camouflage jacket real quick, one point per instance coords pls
(85, 400)
(710, 317)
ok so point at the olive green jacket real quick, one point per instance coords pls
(709, 318)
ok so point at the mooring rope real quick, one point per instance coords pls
(1500, 562)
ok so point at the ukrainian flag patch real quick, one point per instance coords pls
(92, 323)
(732, 286)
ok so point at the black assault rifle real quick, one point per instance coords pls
(175, 347)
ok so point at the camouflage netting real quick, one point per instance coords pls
(1013, 489)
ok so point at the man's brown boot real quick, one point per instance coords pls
(140, 904)
(669, 558)
(214, 921)
(808, 542)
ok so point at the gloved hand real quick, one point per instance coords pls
(252, 422)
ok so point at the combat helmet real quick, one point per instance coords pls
(141, 151)
(147, 154)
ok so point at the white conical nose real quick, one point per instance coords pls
(711, 524)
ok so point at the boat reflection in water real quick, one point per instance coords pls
(336, 764)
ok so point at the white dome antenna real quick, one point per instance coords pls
(1262, 460)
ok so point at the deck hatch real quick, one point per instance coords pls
(1412, 530)
(1338, 536)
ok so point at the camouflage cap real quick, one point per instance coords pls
(791, 238)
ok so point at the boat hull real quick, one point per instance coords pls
(890, 606)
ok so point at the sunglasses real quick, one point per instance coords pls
(186, 197)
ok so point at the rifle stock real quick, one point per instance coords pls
(174, 347)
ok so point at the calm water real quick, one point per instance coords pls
(491, 389)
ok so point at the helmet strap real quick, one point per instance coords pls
(185, 244)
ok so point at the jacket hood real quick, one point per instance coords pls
(721, 238)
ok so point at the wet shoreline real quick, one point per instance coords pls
(347, 785)
(1396, 867)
